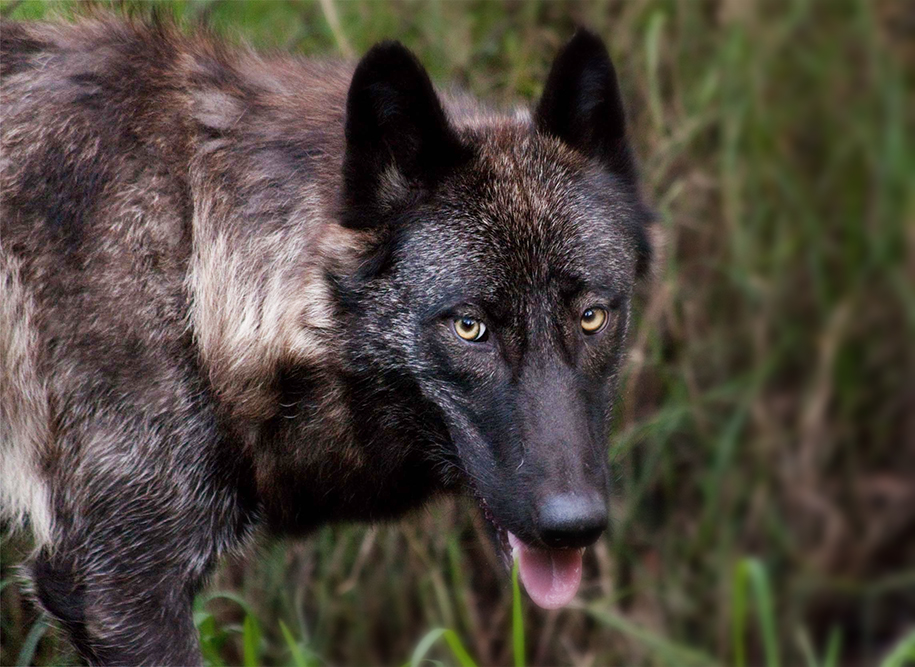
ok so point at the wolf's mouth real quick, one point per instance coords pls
(550, 576)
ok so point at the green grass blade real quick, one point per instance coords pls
(750, 575)
(652, 49)
(202, 600)
(27, 652)
(669, 651)
(806, 648)
(210, 638)
(739, 614)
(764, 609)
(251, 641)
(424, 645)
(833, 647)
(451, 638)
(902, 654)
(457, 648)
(298, 657)
(517, 619)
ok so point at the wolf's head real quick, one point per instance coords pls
(506, 253)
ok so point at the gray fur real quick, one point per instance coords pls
(201, 335)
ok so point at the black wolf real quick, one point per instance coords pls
(241, 292)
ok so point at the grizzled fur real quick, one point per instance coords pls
(227, 292)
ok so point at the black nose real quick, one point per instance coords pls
(572, 520)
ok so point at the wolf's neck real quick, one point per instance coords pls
(347, 446)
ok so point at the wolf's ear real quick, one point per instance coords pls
(397, 135)
(581, 104)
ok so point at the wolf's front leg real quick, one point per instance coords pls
(137, 526)
(118, 612)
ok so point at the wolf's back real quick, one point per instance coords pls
(91, 209)
(148, 239)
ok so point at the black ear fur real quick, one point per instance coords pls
(581, 104)
(393, 119)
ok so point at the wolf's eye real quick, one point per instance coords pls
(470, 329)
(593, 320)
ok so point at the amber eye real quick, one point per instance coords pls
(470, 329)
(593, 320)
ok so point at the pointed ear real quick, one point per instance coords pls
(397, 135)
(581, 104)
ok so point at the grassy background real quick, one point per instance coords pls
(767, 427)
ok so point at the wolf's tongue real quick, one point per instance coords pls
(550, 576)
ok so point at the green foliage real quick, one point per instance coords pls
(454, 643)
(758, 452)
(750, 577)
(660, 649)
(517, 619)
(299, 659)
(27, 652)
(251, 638)
(902, 654)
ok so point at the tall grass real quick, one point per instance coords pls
(764, 453)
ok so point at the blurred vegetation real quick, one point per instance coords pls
(765, 445)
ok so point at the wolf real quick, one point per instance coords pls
(250, 294)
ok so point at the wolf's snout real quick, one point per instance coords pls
(571, 520)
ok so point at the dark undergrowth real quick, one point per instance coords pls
(765, 444)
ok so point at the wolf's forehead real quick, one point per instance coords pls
(518, 158)
(526, 209)
(521, 219)
(519, 177)
(528, 187)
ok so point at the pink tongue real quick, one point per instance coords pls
(550, 576)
